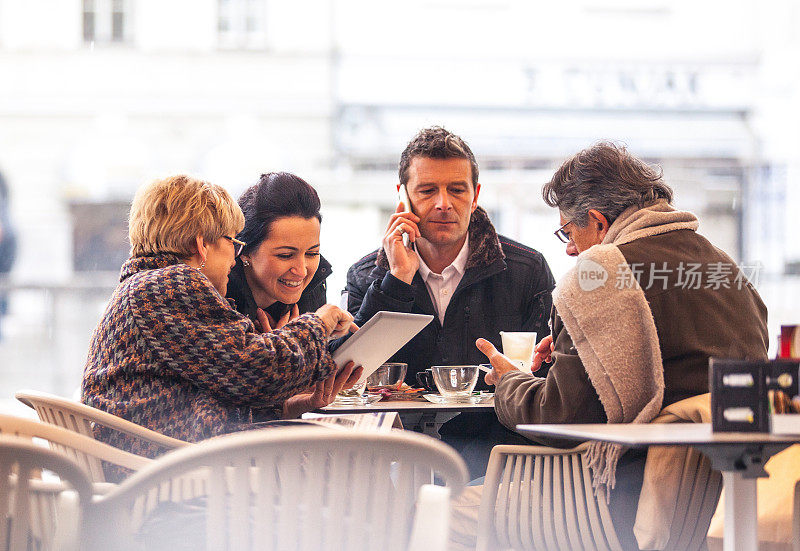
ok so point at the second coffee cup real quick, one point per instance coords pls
(425, 380)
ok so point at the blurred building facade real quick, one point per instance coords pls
(99, 96)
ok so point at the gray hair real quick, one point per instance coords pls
(604, 177)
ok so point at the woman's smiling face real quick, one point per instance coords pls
(283, 264)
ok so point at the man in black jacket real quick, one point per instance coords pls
(474, 282)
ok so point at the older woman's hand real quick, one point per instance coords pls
(338, 322)
(324, 392)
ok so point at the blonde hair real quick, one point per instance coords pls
(167, 215)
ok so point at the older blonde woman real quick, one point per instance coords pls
(171, 354)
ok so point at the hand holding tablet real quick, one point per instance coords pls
(378, 340)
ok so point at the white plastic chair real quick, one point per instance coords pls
(28, 506)
(81, 418)
(539, 498)
(298, 488)
(87, 452)
(796, 518)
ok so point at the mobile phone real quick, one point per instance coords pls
(403, 196)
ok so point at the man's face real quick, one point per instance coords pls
(441, 194)
(581, 239)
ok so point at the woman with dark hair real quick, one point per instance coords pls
(280, 271)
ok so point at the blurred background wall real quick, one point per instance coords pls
(100, 96)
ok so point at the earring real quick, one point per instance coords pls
(203, 265)
(245, 262)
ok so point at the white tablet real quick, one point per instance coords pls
(378, 339)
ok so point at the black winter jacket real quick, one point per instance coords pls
(506, 287)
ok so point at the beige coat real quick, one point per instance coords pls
(691, 326)
(622, 357)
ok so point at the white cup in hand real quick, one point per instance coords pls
(519, 346)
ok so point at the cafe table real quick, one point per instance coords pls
(739, 455)
(419, 413)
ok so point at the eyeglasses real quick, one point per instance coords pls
(238, 246)
(561, 234)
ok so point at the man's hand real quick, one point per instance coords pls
(403, 261)
(543, 352)
(323, 392)
(500, 364)
(338, 322)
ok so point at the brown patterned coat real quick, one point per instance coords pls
(171, 354)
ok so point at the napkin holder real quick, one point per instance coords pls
(738, 396)
(743, 394)
(782, 384)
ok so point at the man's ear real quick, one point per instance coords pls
(475, 199)
(599, 221)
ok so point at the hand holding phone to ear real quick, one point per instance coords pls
(405, 202)
(398, 241)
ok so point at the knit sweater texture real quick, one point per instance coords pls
(171, 354)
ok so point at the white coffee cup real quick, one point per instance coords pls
(519, 346)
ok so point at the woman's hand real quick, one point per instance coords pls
(268, 324)
(323, 392)
(338, 322)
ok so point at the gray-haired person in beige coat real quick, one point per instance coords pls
(648, 302)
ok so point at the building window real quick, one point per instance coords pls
(106, 21)
(241, 24)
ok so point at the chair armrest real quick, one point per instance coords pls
(36, 400)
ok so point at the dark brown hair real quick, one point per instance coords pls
(604, 177)
(436, 143)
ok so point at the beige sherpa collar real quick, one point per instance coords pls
(654, 219)
(609, 320)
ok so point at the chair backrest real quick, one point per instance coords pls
(85, 451)
(542, 498)
(22, 525)
(796, 518)
(290, 488)
(537, 498)
(81, 418)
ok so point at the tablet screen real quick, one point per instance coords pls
(378, 339)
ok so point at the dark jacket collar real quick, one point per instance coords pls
(484, 244)
(137, 264)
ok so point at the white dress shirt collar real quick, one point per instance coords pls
(442, 286)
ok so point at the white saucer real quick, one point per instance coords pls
(481, 398)
(363, 400)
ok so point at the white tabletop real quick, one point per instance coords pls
(412, 406)
(739, 455)
(656, 434)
